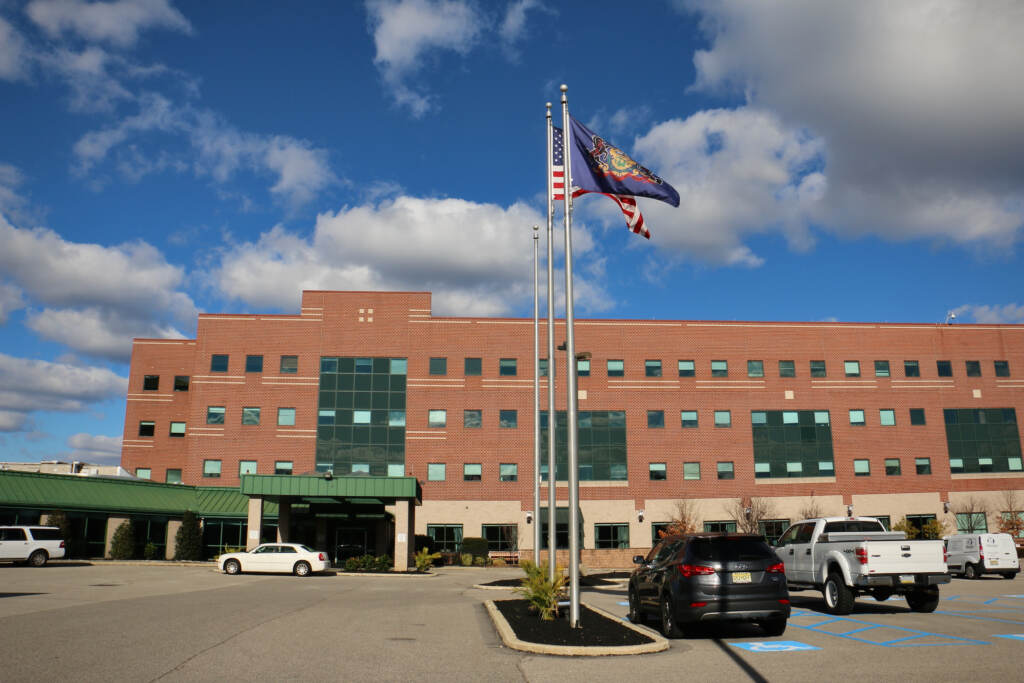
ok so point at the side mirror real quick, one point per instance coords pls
(638, 559)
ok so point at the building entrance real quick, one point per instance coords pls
(349, 542)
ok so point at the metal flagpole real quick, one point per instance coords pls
(570, 384)
(552, 537)
(536, 398)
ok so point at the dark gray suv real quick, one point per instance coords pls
(699, 578)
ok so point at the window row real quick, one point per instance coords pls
(787, 368)
(472, 471)
(215, 415)
(152, 382)
(221, 362)
(726, 470)
(212, 469)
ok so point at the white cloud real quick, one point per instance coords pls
(406, 31)
(28, 386)
(95, 448)
(98, 332)
(10, 300)
(513, 26)
(475, 258)
(13, 54)
(118, 22)
(914, 100)
(984, 313)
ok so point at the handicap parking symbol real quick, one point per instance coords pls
(775, 646)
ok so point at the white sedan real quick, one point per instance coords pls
(287, 558)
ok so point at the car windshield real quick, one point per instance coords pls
(729, 549)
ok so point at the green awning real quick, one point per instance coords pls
(385, 489)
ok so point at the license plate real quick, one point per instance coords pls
(741, 577)
(995, 562)
(906, 578)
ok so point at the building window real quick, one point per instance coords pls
(911, 368)
(283, 467)
(507, 367)
(723, 418)
(143, 473)
(851, 368)
(917, 416)
(437, 418)
(472, 419)
(326, 416)
(688, 418)
(251, 415)
(361, 469)
(608, 536)
(447, 537)
(438, 366)
(616, 368)
(177, 429)
(658, 531)
(211, 469)
(881, 368)
(655, 419)
(787, 368)
(364, 366)
(398, 366)
(181, 382)
(923, 465)
(501, 537)
(724, 526)
(755, 368)
(396, 469)
(887, 417)
(726, 470)
(289, 365)
(151, 382)
(687, 368)
(473, 367)
(652, 368)
(719, 368)
(973, 368)
(818, 368)
(771, 529)
(971, 523)
(254, 363)
(918, 521)
(862, 467)
(1002, 368)
(286, 417)
(944, 368)
(396, 418)
(508, 471)
(246, 467)
(219, 362)
(857, 417)
(435, 471)
(172, 476)
(542, 366)
(582, 367)
(691, 471)
(215, 415)
(784, 438)
(892, 467)
(657, 471)
(362, 417)
(147, 428)
(983, 440)
(472, 471)
(508, 419)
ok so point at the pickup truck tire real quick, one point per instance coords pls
(669, 625)
(774, 627)
(970, 571)
(838, 596)
(923, 599)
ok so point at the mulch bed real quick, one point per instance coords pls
(596, 630)
(590, 580)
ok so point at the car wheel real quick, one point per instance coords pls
(1011, 575)
(924, 599)
(302, 569)
(838, 596)
(970, 571)
(38, 558)
(774, 627)
(669, 626)
(635, 616)
(232, 567)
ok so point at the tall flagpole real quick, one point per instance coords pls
(552, 537)
(570, 383)
(536, 397)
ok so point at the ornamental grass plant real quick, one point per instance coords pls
(541, 593)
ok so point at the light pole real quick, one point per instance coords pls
(536, 398)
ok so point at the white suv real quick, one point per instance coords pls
(32, 544)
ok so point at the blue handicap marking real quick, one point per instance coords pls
(1011, 636)
(1013, 596)
(775, 646)
(623, 603)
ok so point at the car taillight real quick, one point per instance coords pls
(689, 570)
(321, 557)
(783, 601)
(777, 568)
(862, 555)
(62, 544)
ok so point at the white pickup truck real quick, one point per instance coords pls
(844, 557)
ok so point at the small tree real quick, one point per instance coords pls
(810, 509)
(971, 516)
(907, 528)
(541, 593)
(1011, 521)
(122, 547)
(188, 542)
(749, 512)
(58, 518)
(684, 521)
(933, 529)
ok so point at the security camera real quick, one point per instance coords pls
(639, 515)
(529, 517)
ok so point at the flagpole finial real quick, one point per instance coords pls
(536, 232)
(564, 88)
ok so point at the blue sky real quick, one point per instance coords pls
(855, 161)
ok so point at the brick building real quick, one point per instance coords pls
(838, 416)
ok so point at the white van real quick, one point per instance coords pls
(971, 555)
(32, 544)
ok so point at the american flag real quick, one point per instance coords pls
(627, 204)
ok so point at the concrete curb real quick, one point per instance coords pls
(508, 637)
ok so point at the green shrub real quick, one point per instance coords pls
(907, 528)
(122, 547)
(541, 593)
(383, 563)
(475, 546)
(188, 542)
(466, 559)
(425, 559)
(480, 561)
(151, 552)
(353, 564)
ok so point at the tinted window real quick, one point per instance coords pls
(728, 549)
(46, 534)
(861, 526)
(12, 535)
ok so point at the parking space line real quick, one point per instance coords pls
(970, 615)
(905, 641)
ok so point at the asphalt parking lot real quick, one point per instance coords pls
(178, 623)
